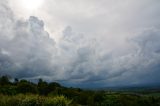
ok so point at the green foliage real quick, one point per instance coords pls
(42, 87)
(26, 87)
(33, 100)
(4, 80)
(25, 93)
(8, 90)
(57, 101)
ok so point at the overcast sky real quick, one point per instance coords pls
(84, 43)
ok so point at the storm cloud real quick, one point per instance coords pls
(95, 45)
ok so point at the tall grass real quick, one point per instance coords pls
(33, 100)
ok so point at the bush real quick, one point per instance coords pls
(57, 101)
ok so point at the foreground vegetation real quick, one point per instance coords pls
(33, 100)
(25, 93)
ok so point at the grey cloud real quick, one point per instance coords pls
(26, 44)
(89, 58)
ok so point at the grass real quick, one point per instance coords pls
(33, 100)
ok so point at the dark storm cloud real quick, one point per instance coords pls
(28, 51)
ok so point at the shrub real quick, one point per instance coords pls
(57, 101)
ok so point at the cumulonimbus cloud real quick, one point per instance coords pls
(28, 51)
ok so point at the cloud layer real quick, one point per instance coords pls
(127, 53)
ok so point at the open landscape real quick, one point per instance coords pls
(25, 93)
(79, 52)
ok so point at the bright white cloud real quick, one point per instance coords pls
(31, 5)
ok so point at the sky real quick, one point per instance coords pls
(81, 43)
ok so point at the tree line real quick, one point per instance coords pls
(79, 97)
(43, 88)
